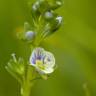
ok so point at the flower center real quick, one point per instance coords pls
(39, 64)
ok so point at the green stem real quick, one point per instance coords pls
(27, 84)
(26, 89)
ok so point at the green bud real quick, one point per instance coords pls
(56, 24)
(53, 26)
(40, 6)
(57, 4)
(36, 6)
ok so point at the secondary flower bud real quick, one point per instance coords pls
(59, 3)
(57, 23)
(56, 4)
(40, 6)
(48, 15)
(59, 19)
(29, 35)
(35, 6)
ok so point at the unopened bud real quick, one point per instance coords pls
(29, 35)
(58, 3)
(59, 18)
(48, 15)
(35, 6)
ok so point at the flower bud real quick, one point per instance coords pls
(29, 35)
(57, 23)
(40, 6)
(59, 19)
(48, 15)
(57, 4)
(35, 6)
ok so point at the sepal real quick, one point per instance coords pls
(16, 68)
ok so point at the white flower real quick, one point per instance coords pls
(42, 60)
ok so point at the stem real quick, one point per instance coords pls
(26, 90)
(27, 84)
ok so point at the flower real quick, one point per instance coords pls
(42, 60)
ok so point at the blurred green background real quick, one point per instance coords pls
(74, 46)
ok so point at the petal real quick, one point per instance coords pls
(37, 54)
(48, 71)
(32, 59)
(49, 60)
